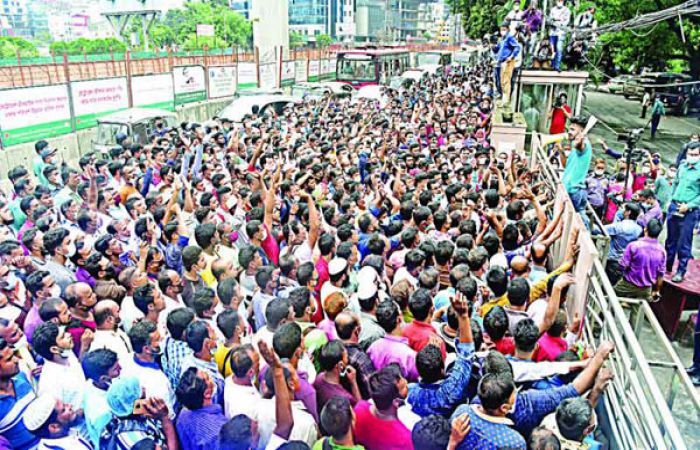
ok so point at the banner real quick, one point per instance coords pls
(205, 30)
(96, 98)
(288, 73)
(314, 70)
(30, 114)
(189, 85)
(153, 91)
(247, 75)
(300, 71)
(268, 75)
(222, 81)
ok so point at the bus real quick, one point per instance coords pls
(362, 67)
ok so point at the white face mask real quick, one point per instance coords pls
(600, 172)
(693, 159)
(56, 291)
(70, 251)
(646, 170)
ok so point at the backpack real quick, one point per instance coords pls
(117, 426)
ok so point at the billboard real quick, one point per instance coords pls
(288, 73)
(153, 91)
(222, 81)
(268, 75)
(300, 70)
(247, 75)
(189, 85)
(96, 98)
(30, 114)
(314, 70)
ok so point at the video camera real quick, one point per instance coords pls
(631, 137)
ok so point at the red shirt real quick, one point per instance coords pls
(378, 434)
(271, 247)
(506, 346)
(418, 334)
(558, 125)
(548, 348)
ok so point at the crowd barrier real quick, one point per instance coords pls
(637, 414)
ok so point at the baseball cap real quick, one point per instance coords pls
(47, 152)
(336, 266)
(39, 411)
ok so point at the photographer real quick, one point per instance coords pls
(560, 113)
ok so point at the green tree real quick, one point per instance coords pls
(478, 16)
(296, 39)
(323, 40)
(87, 46)
(10, 45)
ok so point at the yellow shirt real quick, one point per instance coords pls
(536, 290)
(220, 357)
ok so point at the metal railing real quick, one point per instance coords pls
(639, 413)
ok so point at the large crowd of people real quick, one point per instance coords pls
(338, 276)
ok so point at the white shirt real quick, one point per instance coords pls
(403, 274)
(240, 399)
(327, 289)
(129, 313)
(304, 425)
(67, 443)
(117, 341)
(65, 382)
(153, 381)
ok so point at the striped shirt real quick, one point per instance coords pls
(11, 410)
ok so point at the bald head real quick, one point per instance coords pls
(106, 314)
(539, 253)
(346, 323)
(519, 264)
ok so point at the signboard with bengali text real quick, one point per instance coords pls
(189, 84)
(96, 98)
(314, 70)
(288, 73)
(153, 91)
(300, 67)
(247, 75)
(30, 114)
(222, 81)
(268, 75)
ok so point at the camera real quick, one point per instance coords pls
(631, 137)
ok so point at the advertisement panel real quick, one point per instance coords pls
(96, 98)
(268, 75)
(288, 73)
(189, 84)
(30, 114)
(247, 75)
(222, 81)
(314, 70)
(153, 91)
(300, 70)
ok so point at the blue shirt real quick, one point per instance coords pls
(199, 429)
(621, 234)
(532, 406)
(11, 411)
(508, 48)
(577, 164)
(441, 398)
(488, 433)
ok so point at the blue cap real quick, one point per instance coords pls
(122, 395)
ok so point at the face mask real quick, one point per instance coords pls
(671, 174)
(55, 291)
(156, 351)
(693, 159)
(22, 343)
(646, 170)
(70, 251)
(600, 172)
(656, 160)
(65, 353)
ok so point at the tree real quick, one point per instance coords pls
(10, 45)
(87, 46)
(478, 16)
(323, 40)
(296, 39)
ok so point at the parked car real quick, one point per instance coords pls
(680, 99)
(372, 92)
(317, 90)
(258, 91)
(407, 78)
(635, 87)
(135, 123)
(617, 84)
(243, 106)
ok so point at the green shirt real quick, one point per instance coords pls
(17, 213)
(662, 189)
(38, 167)
(319, 445)
(686, 186)
(577, 164)
(658, 108)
